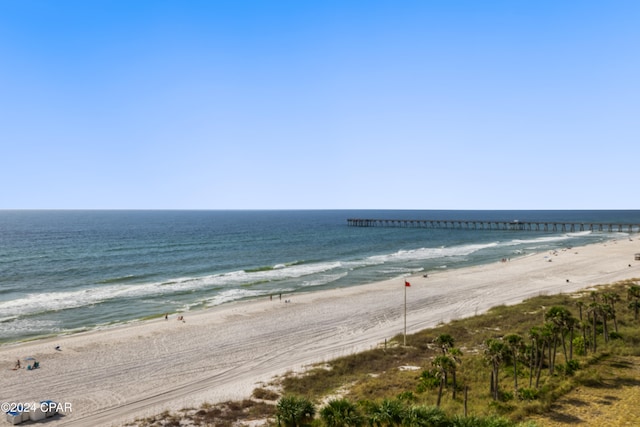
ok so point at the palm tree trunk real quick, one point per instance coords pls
(552, 354)
(540, 361)
(515, 375)
(532, 363)
(453, 378)
(466, 390)
(595, 346)
(571, 344)
(497, 380)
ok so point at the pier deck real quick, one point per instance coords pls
(555, 226)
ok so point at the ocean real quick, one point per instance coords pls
(70, 271)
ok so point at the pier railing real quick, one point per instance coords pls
(548, 226)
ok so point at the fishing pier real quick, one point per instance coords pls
(463, 224)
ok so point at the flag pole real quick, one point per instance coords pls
(406, 285)
(405, 313)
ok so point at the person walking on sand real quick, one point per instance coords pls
(18, 364)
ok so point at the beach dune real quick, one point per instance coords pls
(112, 376)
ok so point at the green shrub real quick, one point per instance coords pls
(615, 336)
(294, 411)
(579, 346)
(528, 394)
(431, 416)
(428, 381)
(341, 413)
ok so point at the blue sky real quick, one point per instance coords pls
(439, 104)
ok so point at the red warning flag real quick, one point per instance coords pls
(407, 283)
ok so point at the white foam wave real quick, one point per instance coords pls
(233, 295)
(325, 279)
(54, 301)
(580, 233)
(24, 327)
(431, 253)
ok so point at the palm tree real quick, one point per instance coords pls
(445, 342)
(456, 357)
(580, 305)
(635, 306)
(514, 341)
(570, 324)
(611, 298)
(606, 313)
(443, 364)
(535, 335)
(341, 413)
(387, 413)
(425, 416)
(494, 355)
(545, 337)
(633, 295)
(560, 316)
(550, 335)
(593, 311)
(294, 411)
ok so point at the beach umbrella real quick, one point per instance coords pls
(29, 358)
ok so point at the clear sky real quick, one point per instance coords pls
(319, 104)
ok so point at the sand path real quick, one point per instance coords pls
(112, 376)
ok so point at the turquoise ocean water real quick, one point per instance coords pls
(69, 271)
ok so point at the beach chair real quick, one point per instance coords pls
(14, 417)
(36, 413)
(50, 407)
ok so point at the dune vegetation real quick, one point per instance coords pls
(551, 360)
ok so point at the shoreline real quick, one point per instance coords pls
(138, 369)
(246, 300)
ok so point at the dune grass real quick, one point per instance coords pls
(589, 388)
(378, 374)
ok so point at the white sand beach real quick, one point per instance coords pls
(113, 376)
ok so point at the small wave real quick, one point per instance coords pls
(56, 301)
(121, 279)
(24, 327)
(259, 269)
(273, 267)
(537, 240)
(232, 295)
(580, 233)
(549, 239)
(325, 280)
(432, 253)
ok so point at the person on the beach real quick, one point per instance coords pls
(166, 317)
(18, 364)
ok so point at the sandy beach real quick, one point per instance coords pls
(112, 376)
